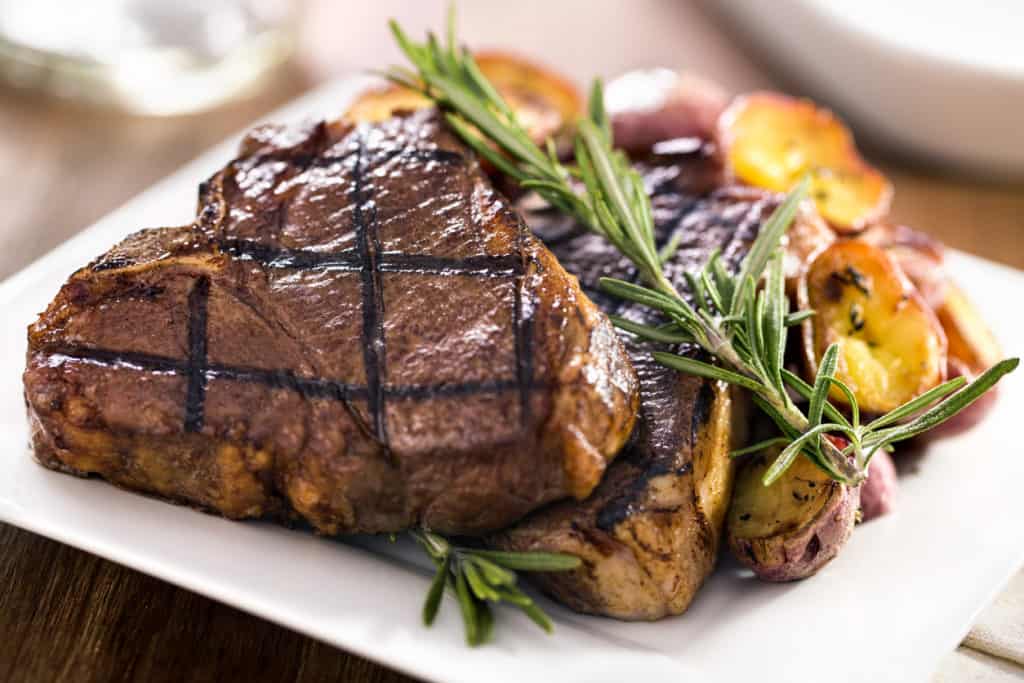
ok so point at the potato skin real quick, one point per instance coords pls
(878, 493)
(814, 526)
(971, 346)
(650, 106)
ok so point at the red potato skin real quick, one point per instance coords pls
(802, 553)
(878, 493)
(685, 106)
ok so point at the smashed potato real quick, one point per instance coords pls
(891, 346)
(547, 105)
(794, 527)
(771, 141)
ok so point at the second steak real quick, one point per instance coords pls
(649, 534)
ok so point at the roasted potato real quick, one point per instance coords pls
(972, 348)
(971, 344)
(382, 102)
(919, 256)
(891, 346)
(651, 106)
(546, 104)
(878, 493)
(794, 527)
(770, 140)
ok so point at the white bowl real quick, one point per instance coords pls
(943, 81)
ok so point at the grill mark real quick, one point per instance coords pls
(368, 247)
(414, 392)
(393, 262)
(307, 160)
(112, 263)
(370, 260)
(195, 394)
(301, 259)
(481, 266)
(443, 156)
(308, 387)
(625, 503)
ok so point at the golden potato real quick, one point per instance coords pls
(972, 346)
(547, 105)
(919, 256)
(891, 346)
(971, 343)
(546, 102)
(382, 102)
(794, 527)
(771, 141)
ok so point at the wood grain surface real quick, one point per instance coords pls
(68, 616)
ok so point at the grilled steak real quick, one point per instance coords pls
(649, 534)
(357, 331)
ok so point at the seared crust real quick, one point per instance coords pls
(356, 331)
(649, 535)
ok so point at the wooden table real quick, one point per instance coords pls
(69, 616)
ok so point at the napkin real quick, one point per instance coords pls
(999, 630)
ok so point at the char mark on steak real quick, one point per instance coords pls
(357, 330)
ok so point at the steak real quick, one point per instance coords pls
(649, 534)
(357, 331)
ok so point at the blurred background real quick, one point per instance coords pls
(100, 99)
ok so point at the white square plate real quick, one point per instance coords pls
(901, 595)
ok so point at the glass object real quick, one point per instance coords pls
(146, 56)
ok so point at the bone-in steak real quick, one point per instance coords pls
(356, 331)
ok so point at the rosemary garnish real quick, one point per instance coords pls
(480, 577)
(743, 327)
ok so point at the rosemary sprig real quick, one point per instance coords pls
(479, 578)
(741, 325)
(614, 204)
(745, 329)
